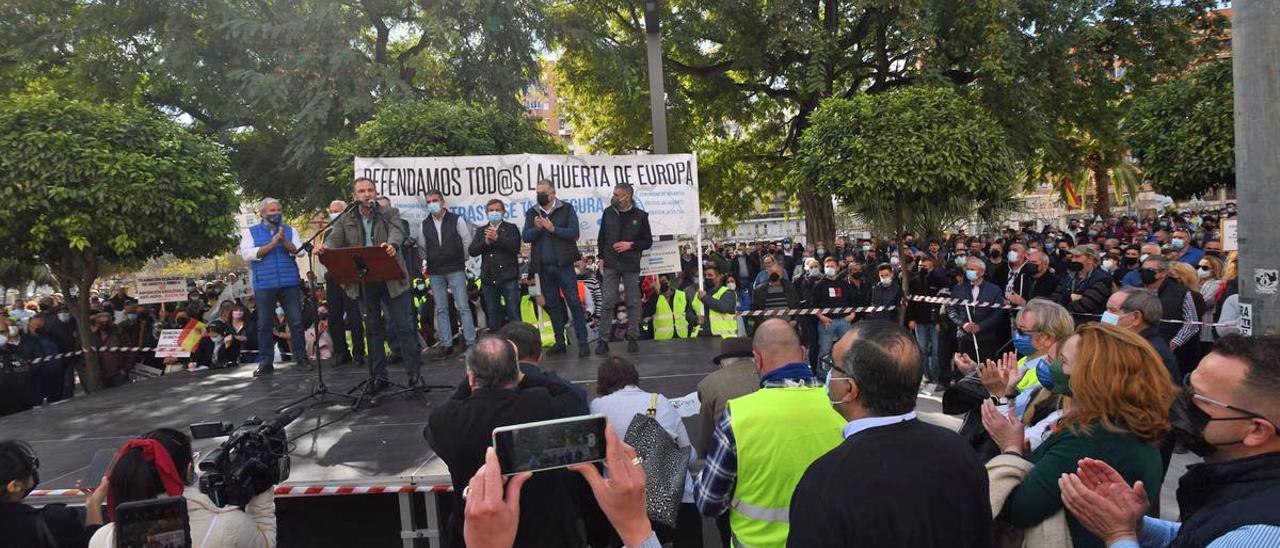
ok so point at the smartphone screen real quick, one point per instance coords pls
(551, 444)
(153, 523)
(97, 468)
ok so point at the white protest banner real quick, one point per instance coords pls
(1230, 234)
(161, 290)
(687, 405)
(169, 345)
(666, 186)
(662, 258)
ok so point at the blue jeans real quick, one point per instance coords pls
(553, 280)
(399, 325)
(927, 340)
(494, 307)
(290, 299)
(456, 283)
(828, 335)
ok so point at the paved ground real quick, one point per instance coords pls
(380, 445)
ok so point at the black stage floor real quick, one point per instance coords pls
(382, 445)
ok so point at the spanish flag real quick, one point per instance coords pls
(1073, 200)
(191, 335)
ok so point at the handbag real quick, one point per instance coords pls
(665, 465)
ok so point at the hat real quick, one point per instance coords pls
(1085, 250)
(736, 347)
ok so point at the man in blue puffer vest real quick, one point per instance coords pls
(270, 246)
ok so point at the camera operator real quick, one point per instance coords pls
(161, 463)
(24, 526)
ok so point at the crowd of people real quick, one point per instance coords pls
(1078, 360)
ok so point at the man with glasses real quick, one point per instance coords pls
(1227, 414)
(1139, 310)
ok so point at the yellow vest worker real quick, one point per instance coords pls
(669, 319)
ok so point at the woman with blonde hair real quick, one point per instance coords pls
(1116, 410)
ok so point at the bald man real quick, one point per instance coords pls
(764, 441)
(844, 498)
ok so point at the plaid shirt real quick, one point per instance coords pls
(714, 491)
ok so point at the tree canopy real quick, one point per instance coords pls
(1182, 132)
(744, 77)
(906, 155)
(273, 81)
(95, 185)
(436, 128)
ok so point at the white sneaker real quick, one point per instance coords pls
(929, 389)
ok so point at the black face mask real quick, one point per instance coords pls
(711, 282)
(773, 278)
(856, 275)
(1129, 262)
(1075, 266)
(1148, 276)
(1213, 253)
(1031, 268)
(1189, 422)
(544, 199)
(664, 287)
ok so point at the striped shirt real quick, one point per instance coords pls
(1158, 533)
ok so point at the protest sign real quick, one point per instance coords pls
(666, 186)
(169, 345)
(662, 258)
(161, 290)
(1230, 234)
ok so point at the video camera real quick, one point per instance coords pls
(254, 458)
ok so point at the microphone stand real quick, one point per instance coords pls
(320, 391)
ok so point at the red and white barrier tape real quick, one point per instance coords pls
(297, 490)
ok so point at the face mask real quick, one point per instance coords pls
(664, 287)
(732, 286)
(886, 281)
(1189, 422)
(64, 316)
(827, 386)
(433, 208)
(615, 203)
(773, 278)
(815, 272)
(822, 251)
(1178, 243)
(1129, 262)
(1075, 266)
(830, 271)
(1022, 343)
(971, 275)
(495, 217)
(274, 218)
(960, 260)
(279, 311)
(1044, 374)
(1061, 380)
(131, 317)
(1203, 272)
(1110, 318)
(866, 248)
(894, 261)
(238, 314)
(1148, 276)
(1108, 265)
(544, 199)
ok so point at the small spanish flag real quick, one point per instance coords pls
(191, 335)
(1073, 200)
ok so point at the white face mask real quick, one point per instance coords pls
(1108, 265)
(886, 280)
(1204, 273)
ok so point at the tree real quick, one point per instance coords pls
(909, 147)
(743, 77)
(274, 81)
(436, 128)
(1182, 132)
(94, 186)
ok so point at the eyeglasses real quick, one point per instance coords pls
(1249, 415)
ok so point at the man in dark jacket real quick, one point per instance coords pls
(460, 430)
(624, 235)
(498, 242)
(551, 229)
(844, 498)
(922, 317)
(446, 237)
(886, 292)
(1178, 305)
(979, 330)
(1084, 290)
(777, 293)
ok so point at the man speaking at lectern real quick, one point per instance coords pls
(368, 226)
